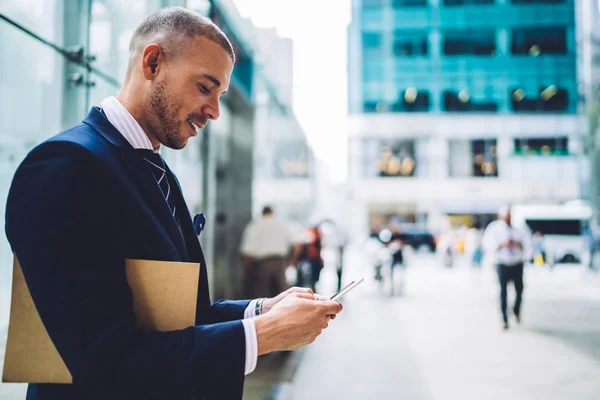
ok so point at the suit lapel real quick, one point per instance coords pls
(153, 196)
(141, 175)
(185, 220)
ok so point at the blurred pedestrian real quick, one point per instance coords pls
(539, 253)
(311, 255)
(473, 249)
(266, 245)
(342, 242)
(591, 242)
(395, 245)
(509, 247)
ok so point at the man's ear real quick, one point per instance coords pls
(152, 57)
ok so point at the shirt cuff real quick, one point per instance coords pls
(250, 312)
(251, 345)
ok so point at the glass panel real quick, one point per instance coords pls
(410, 43)
(395, 159)
(538, 40)
(542, 146)
(112, 25)
(537, 1)
(31, 81)
(371, 40)
(31, 87)
(462, 102)
(548, 99)
(466, 2)
(484, 156)
(409, 3)
(292, 158)
(373, 3)
(475, 42)
(412, 100)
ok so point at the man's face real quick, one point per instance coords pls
(185, 94)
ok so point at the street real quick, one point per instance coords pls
(441, 339)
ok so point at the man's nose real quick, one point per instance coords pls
(212, 111)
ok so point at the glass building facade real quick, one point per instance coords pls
(493, 56)
(461, 106)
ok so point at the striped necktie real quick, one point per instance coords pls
(158, 167)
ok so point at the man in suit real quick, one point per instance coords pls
(99, 193)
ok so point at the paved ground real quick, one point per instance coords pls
(440, 340)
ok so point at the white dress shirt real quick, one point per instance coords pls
(499, 232)
(266, 237)
(131, 130)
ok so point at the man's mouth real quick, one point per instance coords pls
(195, 127)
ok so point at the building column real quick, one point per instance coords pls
(438, 153)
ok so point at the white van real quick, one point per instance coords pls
(564, 229)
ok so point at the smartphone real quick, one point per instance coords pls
(346, 289)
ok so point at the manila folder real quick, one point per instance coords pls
(164, 299)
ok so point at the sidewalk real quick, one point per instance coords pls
(443, 340)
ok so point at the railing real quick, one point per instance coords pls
(75, 55)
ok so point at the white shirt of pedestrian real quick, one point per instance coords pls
(266, 237)
(499, 232)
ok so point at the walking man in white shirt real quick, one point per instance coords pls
(509, 247)
(265, 247)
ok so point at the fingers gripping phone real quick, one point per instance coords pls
(346, 289)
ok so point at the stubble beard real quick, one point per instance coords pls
(162, 105)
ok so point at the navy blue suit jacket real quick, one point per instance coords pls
(79, 205)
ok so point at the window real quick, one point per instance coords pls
(373, 3)
(537, 41)
(571, 227)
(466, 2)
(412, 100)
(536, 1)
(371, 40)
(557, 146)
(291, 158)
(409, 3)
(370, 106)
(475, 42)
(375, 106)
(484, 158)
(396, 159)
(548, 99)
(410, 43)
(462, 102)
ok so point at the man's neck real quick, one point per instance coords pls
(137, 112)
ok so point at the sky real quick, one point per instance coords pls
(318, 29)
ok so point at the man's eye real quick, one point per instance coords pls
(203, 89)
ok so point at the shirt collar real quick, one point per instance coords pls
(131, 130)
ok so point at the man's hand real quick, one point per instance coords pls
(269, 303)
(294, 321)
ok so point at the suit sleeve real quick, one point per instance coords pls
(62, 223)
(228, 310)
